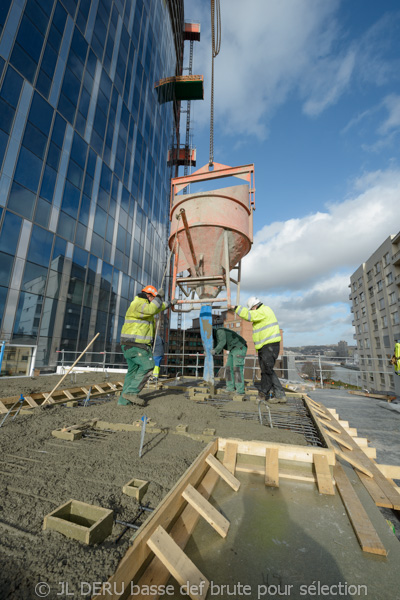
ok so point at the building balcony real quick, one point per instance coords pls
(397, 279)
(396, 258)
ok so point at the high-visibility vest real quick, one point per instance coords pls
(265, 325)
(397, 355)
(139, 325)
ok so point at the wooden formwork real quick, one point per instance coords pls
(157, 551)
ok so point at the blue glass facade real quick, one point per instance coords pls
(84, 183)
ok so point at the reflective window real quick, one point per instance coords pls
(3, 145)
(75, 174)
(71, 198)
(100, 222)
(41, 113)
(97, 245)
(48, 184)
(47, 323)
(34, 140)
(6, 264)
(21, 200)
(28, 313)
(53, 156)
(84, 210)
(28, 169)
(60, 247)
(34, 279)
(58, 131)
(42, 212)
(12, 86)
(40, 246)
(9, 236)
(29, 38)
(79, 150)
(60, 17)
(3, 297)
(6, 116)
(66, 226)
(80, 234)
(43, 84)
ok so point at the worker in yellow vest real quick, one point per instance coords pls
(137, 336)
(396, 358)
(266, 338)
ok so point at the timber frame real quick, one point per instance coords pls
(157, 550)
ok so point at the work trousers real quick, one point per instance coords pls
(235, 369)
(267, 356)
(140, 366)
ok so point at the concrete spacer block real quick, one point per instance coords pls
(209, 431)
(83, 522)
(181, 428)
(72, 403)
(237, 397)
(136, 488)
(75, 434)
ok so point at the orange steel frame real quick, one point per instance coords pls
(245, 172)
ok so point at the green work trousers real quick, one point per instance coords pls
(235, 369)
(140, 367)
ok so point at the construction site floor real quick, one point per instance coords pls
(39, 473)
(292, 542)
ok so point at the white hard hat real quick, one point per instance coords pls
(252, 302)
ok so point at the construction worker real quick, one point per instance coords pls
(395, 360)
(158, 355)
(226, 339)
(136, 342)
(266, 337)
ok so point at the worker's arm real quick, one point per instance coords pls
(221, 339)
(248, 315)
(154, 307)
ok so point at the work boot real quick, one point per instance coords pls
(272, 400)
(281, 399)
(130, 400)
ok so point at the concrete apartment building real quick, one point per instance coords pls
(375, 293)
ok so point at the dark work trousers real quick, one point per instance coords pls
(267, 356)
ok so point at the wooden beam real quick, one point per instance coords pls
(271, 467)
(390, 471)
(328, 425)
(31, 402)
(355, 463)
(164, 515)
(223, 472)
(285, 451)
(363, 528)
(230, 457)
(178, 564)
(156, 573)
(283, 473)
(206, 510)
(337, 439)
(323, 473)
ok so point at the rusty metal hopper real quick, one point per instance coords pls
(210, 233)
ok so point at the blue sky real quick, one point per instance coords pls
(308, 91)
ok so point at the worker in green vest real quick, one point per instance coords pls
(226, 339)
(136, 342)
(266, 338)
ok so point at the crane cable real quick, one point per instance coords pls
(216, 47)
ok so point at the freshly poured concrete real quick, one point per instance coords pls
(292, 536)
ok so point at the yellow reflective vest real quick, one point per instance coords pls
(265, 325)
(397, 356)
(139, 325)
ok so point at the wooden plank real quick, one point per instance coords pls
(328, 425)
(322, 413)
(272, 467)
(370, 451)
(99, 388)
(286, 451)
(355, 463)
(230, 457)
(363, 528)
(156, 573)
(390, 471)
(3, 408)
(323, 473)
(68, 394)
(163, 515)
(375, 491)
(206, 510)
(337, 439)
(352, 431)
(178, 564)
(223, 472)
(283, 473)
(362, 442)
(31, 402)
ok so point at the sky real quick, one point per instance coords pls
(308, 91)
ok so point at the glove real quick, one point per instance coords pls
(174, 301)
(212, 352)
(161, 293)
(167, 304)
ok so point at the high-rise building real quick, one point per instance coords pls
(375, 293)
(84, 181)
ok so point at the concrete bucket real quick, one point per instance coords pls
(210, 234)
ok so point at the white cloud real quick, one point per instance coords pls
(302, 267)
(392, 122)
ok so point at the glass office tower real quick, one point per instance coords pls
(84, 182)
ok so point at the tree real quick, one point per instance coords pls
(326, 371)
(309, 369)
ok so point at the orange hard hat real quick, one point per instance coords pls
(150, 289)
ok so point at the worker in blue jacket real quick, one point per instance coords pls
(227, 339)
